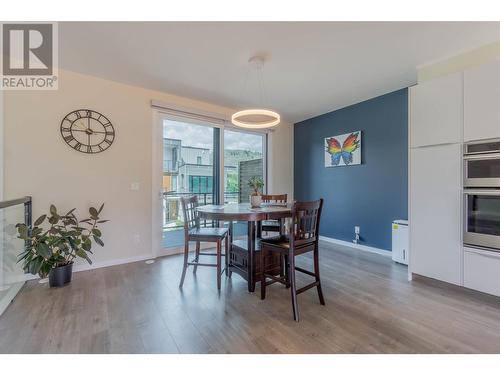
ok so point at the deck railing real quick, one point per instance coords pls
(172, 212)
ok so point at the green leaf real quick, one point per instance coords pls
(70, 212)
(54, 219)
(53, 210)
(93, 212)
(23, 255)
(35, 265)
(96, 232)
(22, 229)
(98, 240)
(100, 209)
(102, 221)
(44, 250)
(81, 253)
(39, 220)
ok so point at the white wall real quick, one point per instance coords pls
(460, 62)
(39, 163)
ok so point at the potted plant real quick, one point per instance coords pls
(51, 249)
(256, 183)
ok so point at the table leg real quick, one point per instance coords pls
(251, 256)
(228, 251)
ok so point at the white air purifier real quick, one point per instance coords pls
(400, 243)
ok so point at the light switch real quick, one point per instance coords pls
(134, 186)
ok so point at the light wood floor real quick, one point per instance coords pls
(137, 308)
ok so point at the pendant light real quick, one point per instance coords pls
(256, 118)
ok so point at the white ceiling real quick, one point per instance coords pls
(311, 68)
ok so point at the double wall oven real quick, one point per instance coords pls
(482, 195)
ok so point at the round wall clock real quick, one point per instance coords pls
(87, 131)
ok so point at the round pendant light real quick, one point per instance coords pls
(256, 118)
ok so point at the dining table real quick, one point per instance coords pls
(238, 212)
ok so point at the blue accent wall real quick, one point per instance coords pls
(370, 195)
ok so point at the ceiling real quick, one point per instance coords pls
(310, 69)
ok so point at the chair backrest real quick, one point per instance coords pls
(191, 216)
(304, 226)
(274, 198)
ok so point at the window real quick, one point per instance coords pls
(198, 160)
(244, 157)
(200, 184)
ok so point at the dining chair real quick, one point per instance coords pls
(273, 225)
(303, 237)
(193, 232)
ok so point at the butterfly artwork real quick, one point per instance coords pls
(343, 149)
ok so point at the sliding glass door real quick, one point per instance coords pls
(206, 160)
(244, 157)
(190, 167)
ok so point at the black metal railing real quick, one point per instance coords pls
(172, 211)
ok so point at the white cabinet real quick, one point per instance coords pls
(482, 102)
(435, 212)
(482, 270)
(436, 110)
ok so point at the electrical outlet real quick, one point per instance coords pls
(137, 239)
(356, 229)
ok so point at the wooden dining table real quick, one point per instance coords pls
(253, 216)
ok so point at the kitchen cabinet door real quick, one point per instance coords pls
(482, 102)
(436, 111)
(435, 212)
(482, 270)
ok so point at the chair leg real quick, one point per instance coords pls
(197, 256)
(230, 236)
(263, 255)
(293, 289)
(219, 263)
(316, 273)
(184, 268)
(227, 255)
(287, 271)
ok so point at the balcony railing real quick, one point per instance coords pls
(172, 211)
(171, 166)
(12, 276)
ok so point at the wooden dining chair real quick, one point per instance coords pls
(193, 232)
(303, 237)
(273, 225)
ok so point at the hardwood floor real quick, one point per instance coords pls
(138, 308)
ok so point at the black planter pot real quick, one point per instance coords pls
(60, 276)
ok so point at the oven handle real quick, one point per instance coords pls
(493, 155)
(481, 192)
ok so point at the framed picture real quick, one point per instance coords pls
(342, 150)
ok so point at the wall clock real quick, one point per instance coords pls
(87, 131)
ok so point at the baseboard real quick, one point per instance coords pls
(368, 249)
(180, 250)
(109, 263)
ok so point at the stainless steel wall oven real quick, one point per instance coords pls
(482, 195)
